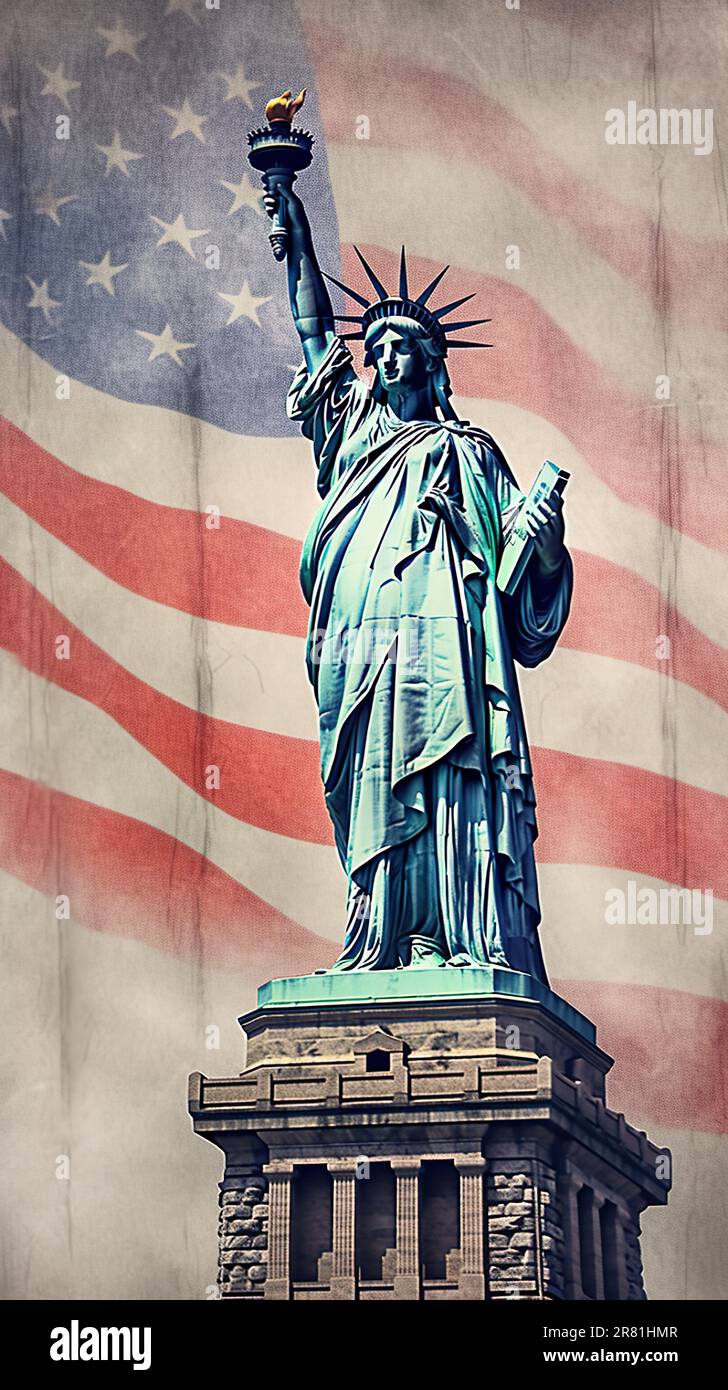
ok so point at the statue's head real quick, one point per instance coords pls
(404, 340)
(407, 358)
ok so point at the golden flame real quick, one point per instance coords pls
(284, 108)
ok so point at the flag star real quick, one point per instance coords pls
(116, 156)
(47, 205)
(186, 121)
(58, 85)
(165, 344)
(238, 86)
(103, 272)
(244, 303)
(245, 195)
(187, 7)
(119, 40)
(178, 232)
(41, 299)
(7, 114)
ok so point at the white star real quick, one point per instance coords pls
(7, 113)
(47, 205)
(41, 299)
(186, 121)
(187, 7)
(103, 272)
(116, 156)
(246, 196)
(244, 303)
(178, 232)
(120, 40)
(238, 86)
(4, 217)
(165, 344)
(58, 85)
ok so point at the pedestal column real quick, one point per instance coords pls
(568, 1187)
(630, 1231)
(596, 1228)
(280, 1177)
(343, 1267)
(407, 1278)
(471, 1282)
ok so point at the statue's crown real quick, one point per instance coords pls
(403, 306)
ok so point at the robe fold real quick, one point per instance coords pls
(410, 652)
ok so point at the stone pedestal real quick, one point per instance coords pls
(419, 1135)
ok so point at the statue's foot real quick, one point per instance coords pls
(463, 960)
(425, 956)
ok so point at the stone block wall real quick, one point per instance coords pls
(243, 1232)
(525, 1240)
(633, 1262)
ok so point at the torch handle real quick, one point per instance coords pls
(279, 234)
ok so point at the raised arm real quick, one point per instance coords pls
(309, 297)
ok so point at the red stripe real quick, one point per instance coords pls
(615, 612)
(598, 812)
(635, 446)
(669, 1049)
(420, 110)
(593, 812)
(266, 779)
(240, 574)
(124, 878)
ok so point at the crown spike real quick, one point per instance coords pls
(440, 313)
(346, 337)
(403, 286)
(463, 323)
(466, 345)
(378, 286)
(347, 318)
(352, 293)
(423, 298)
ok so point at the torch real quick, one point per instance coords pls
(279, 151)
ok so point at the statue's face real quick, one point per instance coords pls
(400, 362)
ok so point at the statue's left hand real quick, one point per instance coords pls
(546, 525)
(277, 194)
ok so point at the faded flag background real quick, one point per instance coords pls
(154, 498)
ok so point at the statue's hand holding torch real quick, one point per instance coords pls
(285, 210)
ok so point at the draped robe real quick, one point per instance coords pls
(410, 652)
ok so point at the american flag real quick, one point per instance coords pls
(154, 499)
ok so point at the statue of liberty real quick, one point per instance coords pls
(411, 645)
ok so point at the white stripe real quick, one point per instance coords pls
(578, 943)
(576, 702)
(597, 707)
(72, 747)
(683, 1246)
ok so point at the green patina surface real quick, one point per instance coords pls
(385, 986)
(411, 654)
